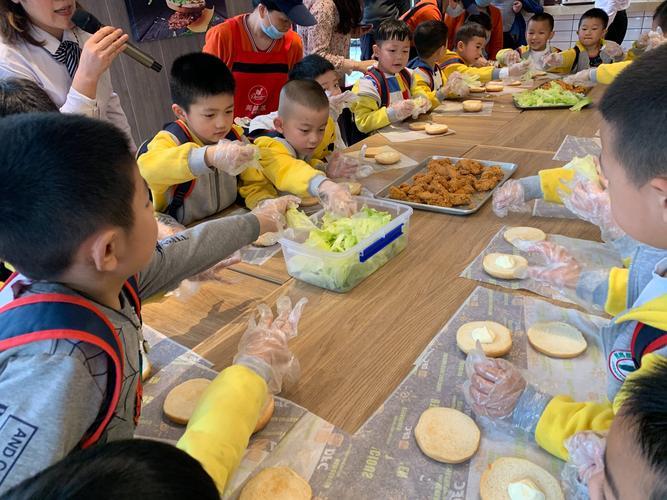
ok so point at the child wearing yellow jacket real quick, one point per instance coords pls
(635, 164)
(191, 165)
(287, 155)
(388, 93)
(539, 32)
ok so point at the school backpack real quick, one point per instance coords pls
(53, 316)
(645, 340)
(181, 191)
(416, 8)
(383, 86)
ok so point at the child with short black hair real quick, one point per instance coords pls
(18, 95)
(634, 162)
(286, 156)
(591, 50)
(539, 33)
(191, 165)
(79, 228)
(469, 42)
(388, 93)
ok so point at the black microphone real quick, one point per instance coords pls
(89, 23)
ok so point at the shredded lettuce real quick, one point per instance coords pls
(341, 234)
(555, 95)
(298, 220)
(470, 80)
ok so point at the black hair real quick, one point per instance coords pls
(635, 106)
(392, 29)
(660, 16)
(595, 13)
(64, 177)
(544, 16)
(310, 67)
(18, 95)
(269, 4)
(307, 93)
(133, 468)
(198, 75)
(645, 408)
(481, 18)
(429, 36)
(349, 15)
(467, 32)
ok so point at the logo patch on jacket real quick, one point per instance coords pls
(620, 364)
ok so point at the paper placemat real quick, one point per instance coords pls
(573, 147)
(455, 108)
(400, 132)
(588, 253)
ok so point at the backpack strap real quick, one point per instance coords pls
(411, 13)
(576, 57)
(52, 316)
(407, 80)
(418, 63)
(645, 340)
(452, 60)
(381, 84)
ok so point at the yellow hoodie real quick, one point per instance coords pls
(451, 62)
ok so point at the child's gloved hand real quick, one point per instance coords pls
(586, 461)
(560, 268)
(519, 69)
(338, 102)
(509, 198)
(264, 345)
(495, 389)
(614, 50)
(401, 110)
(341, 166)
(422, 105)
(552, 60)
(271, 213)
(591, 203)
(509, 57)
(655, 39)
(232, 157)
(582, 77)
(336, 199)
(454, 87)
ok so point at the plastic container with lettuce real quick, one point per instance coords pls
(339, 253)
(551, 95)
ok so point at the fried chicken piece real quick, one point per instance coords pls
(486, 184)
(397, 194)
(459, 199)
(470, 166)
(493, 172)
(467, 189)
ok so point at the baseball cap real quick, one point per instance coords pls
(296, 11)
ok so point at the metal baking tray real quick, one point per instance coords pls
(478, 199)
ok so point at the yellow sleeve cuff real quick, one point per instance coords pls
(563, 417)
(618, 291)
(606, 73)
(221, 425)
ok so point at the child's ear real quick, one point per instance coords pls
(460, 46)
(104, 250)
(551, 35)
(278, 124)
(179, 112)
(659, 186)
(376, 48)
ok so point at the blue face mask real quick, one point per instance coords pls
(483, 3)
(271, 31)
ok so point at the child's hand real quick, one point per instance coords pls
(264, 345)
(614, 50)
(401, 110)
(586, 462)
(519, 69)
(560, 268)
(271, 213)
(494, 386)
(583, 77)
(655, 39)
(509, 198)
(517, 6)
(552, 60)
(341, 166)
(336, 199)
(455, 86)
(232, 157)
(422, 105)
(337, 103)
(510, 57)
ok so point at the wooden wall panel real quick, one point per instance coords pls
(144, 94)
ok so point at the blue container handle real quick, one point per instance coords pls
(378, 245)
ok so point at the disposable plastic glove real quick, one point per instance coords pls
(402, 109)
(552, 60)
(336, 199)
(582, 77)
(422, 105)
(271, 213)
(509, 57)
(655, 39)
(264, 345)
(455, 87)
(586, 460)
(509, 198)
(495, 389)
(338, 102)
(519, 69)
(233, 157)
(559, 269)
(614, 50)
(341, 166)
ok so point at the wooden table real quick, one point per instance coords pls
(355, 348)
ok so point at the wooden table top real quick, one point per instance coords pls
(355, 348)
